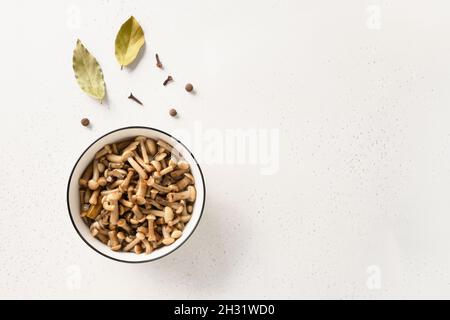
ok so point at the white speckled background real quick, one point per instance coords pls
(358, 89)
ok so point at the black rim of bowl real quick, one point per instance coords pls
(121, 129)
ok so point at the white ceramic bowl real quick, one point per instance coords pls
(87, 156)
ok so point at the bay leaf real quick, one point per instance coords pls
(129, 41)
(88, 72)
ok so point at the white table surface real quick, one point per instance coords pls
(358, 91)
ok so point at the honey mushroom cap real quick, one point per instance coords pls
(168, 214)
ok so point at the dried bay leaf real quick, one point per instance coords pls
(88, 72)
(129, 41)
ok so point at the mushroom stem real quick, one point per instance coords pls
(142, 140)
(153, 193)
(173, 222)
(82, 192)
(114, 148)
(116, 183)
(160, 156)
(183, 183)
(124, 185)
(102, 238)
(131, 147)
(122, 209)
(107, 205)
(168, 214)
(87, 195)
(92, 184)
(157, 213)
(94, 210)
(137, 212)
(94, 197)
(189, 195)
(86, 176)
(179, 210)
(114, 217)
(183, 165)
(142, 229)
(118, 173)
(166, 231)
(123, 224)
(130, 193)
(137, 167)
(152, 202)
(156, 165)
(163, 172)
(185, 218)
(101, 167)
(164, 202)
(168, 240)
(102, 181)
(108, 192)
(106, 150)
(126, 203)
(137, 249)
(122, 144)
(115, 243)
(151, 183)
(139, 237)
(114, 158)
(142, 163)
(121, 236)
(178, 173)
(114, 196)
(176, 234)
(151, 228)
(141, 191)
(148, 247)
(173, 162)
(151, 146)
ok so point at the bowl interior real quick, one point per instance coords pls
(73, 198)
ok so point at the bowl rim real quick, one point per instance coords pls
(78, 160)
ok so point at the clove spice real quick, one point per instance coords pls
(169, 78)
(131, 97)
(158, 62)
